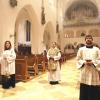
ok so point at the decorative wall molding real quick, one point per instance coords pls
(57, 27)
(43, 17)
(43, 21)
(13, 3)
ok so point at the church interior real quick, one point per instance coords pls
(31, 26)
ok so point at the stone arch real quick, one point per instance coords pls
(86, 8)
(48, 34)
(69, 48)
(27, 13)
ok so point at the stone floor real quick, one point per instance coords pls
(39, 88)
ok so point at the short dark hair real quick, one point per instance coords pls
(88, 36)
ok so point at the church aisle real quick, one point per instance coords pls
(40, 89)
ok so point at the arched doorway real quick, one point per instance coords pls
(26, 30)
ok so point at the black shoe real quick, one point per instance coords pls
(57, 82)
(13, 86)
(5, 87)
(54, 82)
(51, 82)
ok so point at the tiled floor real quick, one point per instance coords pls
(39, 88)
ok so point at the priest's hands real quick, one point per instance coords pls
(51, 58)
(89, 63)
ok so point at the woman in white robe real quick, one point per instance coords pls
(54, 54)
(7, 61)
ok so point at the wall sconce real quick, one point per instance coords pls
(11, 35)
(13, 3)
(57, 27)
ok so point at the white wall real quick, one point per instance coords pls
(9, 15)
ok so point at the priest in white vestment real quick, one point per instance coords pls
(88, 60)
(54, 56)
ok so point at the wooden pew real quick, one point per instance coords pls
(20, 56)
(41, 63)
(32, 65)
(21, 69)
(63, 58)
(46, 61)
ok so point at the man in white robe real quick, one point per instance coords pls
(54, 55)
(88, 59)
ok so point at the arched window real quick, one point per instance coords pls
(28, 30)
